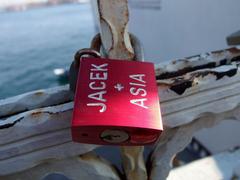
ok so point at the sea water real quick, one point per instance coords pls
(36, 41)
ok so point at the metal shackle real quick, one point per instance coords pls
(137, 48)
(96, 44)
(94, 51)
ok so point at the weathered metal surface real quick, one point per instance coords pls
(88, 166)
(133, 161)
(34, 136)
(209, 89)
(174, 140)
(113, 18)
(32, 100)
(200, 62)
(203, 90)
(220, 166)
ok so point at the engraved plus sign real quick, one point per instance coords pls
(119, 87)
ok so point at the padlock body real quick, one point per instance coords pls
(116, 103)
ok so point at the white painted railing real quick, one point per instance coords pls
(225, 165)
(195, 93)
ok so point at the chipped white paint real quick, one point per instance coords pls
(34, 136)
(195, 93)
(212, 59)
(32, 100)
(176, 139)
(208, 96)
(113, 18)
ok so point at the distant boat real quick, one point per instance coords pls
(62, 75)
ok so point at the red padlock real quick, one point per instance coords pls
(116, 103)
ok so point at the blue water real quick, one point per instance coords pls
(34, 42)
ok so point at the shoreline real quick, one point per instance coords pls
(38, 4)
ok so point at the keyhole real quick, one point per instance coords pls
(114, 136)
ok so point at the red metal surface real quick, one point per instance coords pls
(116, 102)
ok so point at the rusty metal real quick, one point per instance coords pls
(113, 18)
(97, 45)
(217, 64)
(199, 62)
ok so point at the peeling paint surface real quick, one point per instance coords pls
(35, 99)
(187, 73)
(199, 62)
(37, 124)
